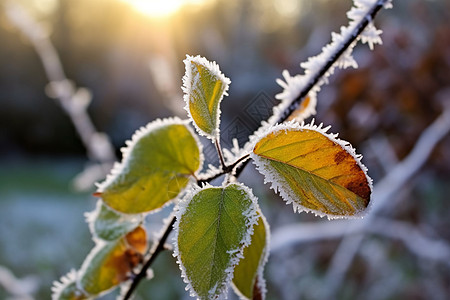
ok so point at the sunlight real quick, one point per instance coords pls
(160, 8)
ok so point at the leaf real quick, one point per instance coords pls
(213, 226)
(156, 167)
(109, 225)
(204, 87)
(248, 281)
(313, 170)
(66, 288)
(305, 109)
(110, 263)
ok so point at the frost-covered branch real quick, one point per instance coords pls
(418, 243)
(337, 54)
(20, 288)
(74, 101)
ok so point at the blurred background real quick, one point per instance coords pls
(122, 64)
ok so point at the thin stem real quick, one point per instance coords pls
(143, 273)
(219, 152)
(359, 28)
(229, 168)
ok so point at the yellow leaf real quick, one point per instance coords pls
(305, 109)
(204, 87)
(313, 170)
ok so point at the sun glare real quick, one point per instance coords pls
(160, 8)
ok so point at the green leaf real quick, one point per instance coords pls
(248, 281)
(314, 170)
(156, 166)
(213, 226)
(110, 263)
(109, 225)
(204, 87)
(66, 288)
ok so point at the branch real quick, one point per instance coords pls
(73, 101)
(153, 254)
(358, 29)
(219, 153)
(21, 288)
(412, 238)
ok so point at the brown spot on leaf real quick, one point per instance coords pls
(360, 186)
(134, 258)
(340, 156)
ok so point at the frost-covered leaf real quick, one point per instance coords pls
(214, 224)
(109, 225)
(66, 288)
(156, 166)
(313, 170)
(305, 109)
(204, 87)
(110, 263)
(248, 280)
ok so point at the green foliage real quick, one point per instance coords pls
(109, 225)
(222, 236)
(68, 289)
(156, 167)
(213, 226)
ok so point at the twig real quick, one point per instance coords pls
(413, 239)
(21, 288)
(153, 254)
(74, 102)
(359, 28)
(219, 153)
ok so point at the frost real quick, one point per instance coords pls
(251, 219)
(110, 227)
(187, 88)
(371, 36)
(277, 182)
(294, 85)
(59, 288)
(264, 258)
